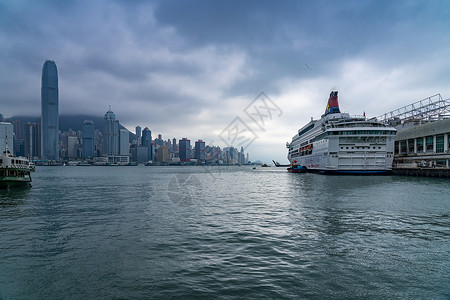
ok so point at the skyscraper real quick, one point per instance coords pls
(147, 142)
(49, 112)
(88, 138)
(174, 144)
(200, 150)
(185, 150)
(138, 135)
(32, 140)
(72, 146)
(110, 134)
(124, 140)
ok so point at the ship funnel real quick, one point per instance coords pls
(333, 105)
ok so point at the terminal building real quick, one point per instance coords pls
(422, 144)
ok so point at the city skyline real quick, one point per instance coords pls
(189, 69)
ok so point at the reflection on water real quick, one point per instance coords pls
(13, 196)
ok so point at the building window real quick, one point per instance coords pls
(440, 163)
(403, 147)
(429, 143)
(410, 146)
(440, 143)
(419, 142)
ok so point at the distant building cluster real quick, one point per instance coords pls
(108, 143)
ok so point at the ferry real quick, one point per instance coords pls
(338, 143)
(14, 171)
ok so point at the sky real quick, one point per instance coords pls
(242, 73)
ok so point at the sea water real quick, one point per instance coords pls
(223, 233)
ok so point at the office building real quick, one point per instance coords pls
(88, 139)
(147, 142)
(174, 145)
(72, 146)
(32, 144)
(162, 154)
(110, 134)
(49, 112)
(184, 150)
(124, 140)
(200, 150)
(138, 135)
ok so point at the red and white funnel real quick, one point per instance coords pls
(333, 105)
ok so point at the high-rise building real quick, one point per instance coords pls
(185, 150)
(162, 154)
(72, 146)
(138, 135)
(32, 140)
(174, 145)
(124, 140)
(88, 138)
(19, 137)
(147, 142)
(110, 134)
(159, 141)
(200, 150)
(6, 129)
(49, 112)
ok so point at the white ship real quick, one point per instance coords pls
(342, 144)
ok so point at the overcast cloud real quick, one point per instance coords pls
(189, 68)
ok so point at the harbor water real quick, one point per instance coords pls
(223, 233)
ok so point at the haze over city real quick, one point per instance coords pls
(188, 69)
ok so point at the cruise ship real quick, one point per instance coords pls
(338, 143)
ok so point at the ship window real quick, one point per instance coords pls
(1, 161)
(353, 147)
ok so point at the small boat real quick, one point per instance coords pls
(296, 169)
(14, 170)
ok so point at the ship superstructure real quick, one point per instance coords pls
(340, 143)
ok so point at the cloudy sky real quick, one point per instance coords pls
(189, 68)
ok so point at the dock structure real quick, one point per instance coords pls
(422, 144)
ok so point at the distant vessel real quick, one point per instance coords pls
(277, 164)
(14, 171)
(342, 144)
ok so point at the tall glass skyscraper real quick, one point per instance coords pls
(88, 138)
(185, 149)
(110, 134)
(49, 112)
(147, 142)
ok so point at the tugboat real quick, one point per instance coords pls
(14, 171)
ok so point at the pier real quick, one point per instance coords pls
(422, 146)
